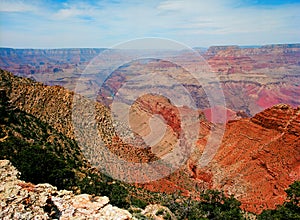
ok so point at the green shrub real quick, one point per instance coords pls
(213, 205)
(138, 203)
(289, 210)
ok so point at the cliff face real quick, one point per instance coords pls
(38, 57)
(254, 79)
(258, 158)
(50, 66)
(233, 59)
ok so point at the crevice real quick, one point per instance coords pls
(52, 209)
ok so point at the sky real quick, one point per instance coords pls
(195, 23)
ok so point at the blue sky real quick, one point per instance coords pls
(70, 23)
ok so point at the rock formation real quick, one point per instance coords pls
(22, 200)
(258, 159)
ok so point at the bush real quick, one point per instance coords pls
(289, 210)
(213, 205)
(37, 165)
(138, 203)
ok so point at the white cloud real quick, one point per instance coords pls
(16, 6)
(226, 17)
(75, 10)
(171, 5)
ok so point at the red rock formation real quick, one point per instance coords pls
(258, 158)
(232, 59)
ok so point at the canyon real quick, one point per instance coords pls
(257, 159)
(252, 79)
(258, 155)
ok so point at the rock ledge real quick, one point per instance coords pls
(21, 200)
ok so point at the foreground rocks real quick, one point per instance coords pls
(21, 200)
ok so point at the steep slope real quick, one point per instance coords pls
(41, 152)
(29, 142)
(258, 158)
(53, 105)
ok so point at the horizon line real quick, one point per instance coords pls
(195, 47)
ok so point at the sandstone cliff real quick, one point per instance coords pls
(258, 158)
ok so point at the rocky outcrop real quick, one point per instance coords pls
(24, 200)
(213, 50)
(158, 212)
(21, 200)
(258, 158)
(281, 117)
